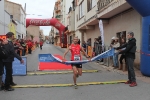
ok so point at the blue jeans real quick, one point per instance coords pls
(115, 60)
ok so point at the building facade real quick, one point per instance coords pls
(4, 19)
(118, 19)
(33, 31)
(18, 14)
(58, 15)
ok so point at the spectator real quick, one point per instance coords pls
(100, 40)
(122, 55)
(23, 44)
(84, 46)
(115, 57)
(95, 46)
(79, 41)
(37, 44)
(41, 44)
(130, 49)
(30, 45)
(8, 62)
(89, 42)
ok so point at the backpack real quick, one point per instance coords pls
(4, 54)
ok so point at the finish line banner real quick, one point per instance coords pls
(51, 58)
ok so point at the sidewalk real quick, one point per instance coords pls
(139, 75)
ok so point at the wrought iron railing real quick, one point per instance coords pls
(102, 3)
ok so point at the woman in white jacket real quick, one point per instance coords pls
(115, 57)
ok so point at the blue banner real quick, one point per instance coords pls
(51, 58)
(18, 68)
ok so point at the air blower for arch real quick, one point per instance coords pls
(143, 7)
(50, 22)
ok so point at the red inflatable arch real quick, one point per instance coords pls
(50, 22)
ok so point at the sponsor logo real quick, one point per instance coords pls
(40, 22)
(57, 25)
(48, 58)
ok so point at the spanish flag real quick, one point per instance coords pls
(12, 29)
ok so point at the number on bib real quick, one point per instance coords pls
(76, 57)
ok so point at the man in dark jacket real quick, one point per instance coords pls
(130, 49)
(8, 62)
(2, 56)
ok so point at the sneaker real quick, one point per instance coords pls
(128, 82)
(133, 84)
(9, 89)
(75, 86)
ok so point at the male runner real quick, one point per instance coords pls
(75, 49)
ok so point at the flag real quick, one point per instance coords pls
(101, 31)
(12, 29)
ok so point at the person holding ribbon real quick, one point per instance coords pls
(129, 51)
(75, 50)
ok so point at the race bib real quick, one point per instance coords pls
(76, 57)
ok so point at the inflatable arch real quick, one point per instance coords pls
(50, 22)
(143, 7)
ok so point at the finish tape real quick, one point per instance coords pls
(62, 72)
(68, 85)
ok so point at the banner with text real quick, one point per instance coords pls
(51, 58)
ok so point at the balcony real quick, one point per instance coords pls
(110, 8)
(57, 34)
(103, 3)
(58, 16)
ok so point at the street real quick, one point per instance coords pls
(119, 91)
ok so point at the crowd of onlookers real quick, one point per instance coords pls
(96, 48)
(26, 46)
(125, 49)
(11, 48)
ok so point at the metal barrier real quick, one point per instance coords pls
(98, 49)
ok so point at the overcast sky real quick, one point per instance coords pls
(38, 7)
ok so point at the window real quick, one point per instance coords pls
(81, 10)
(90, 4)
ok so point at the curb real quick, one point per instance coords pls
(62, 72)
(68, 85)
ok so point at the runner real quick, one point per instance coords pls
(41, 44)
(75, 49)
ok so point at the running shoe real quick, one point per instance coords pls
(75, 86)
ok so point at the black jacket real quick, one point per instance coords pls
(130, 48)
(10, 47)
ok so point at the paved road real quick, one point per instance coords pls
(92, 92)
